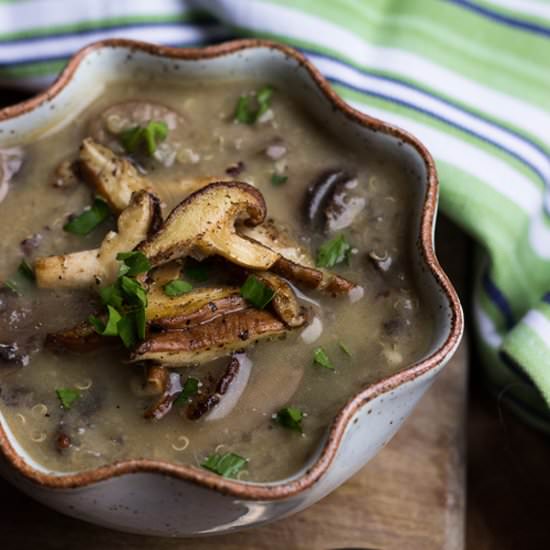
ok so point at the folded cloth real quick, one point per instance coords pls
(470, 78)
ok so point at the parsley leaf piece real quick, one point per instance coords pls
(177, 287)
(291, 418)
(88, 219)
(344, 348)
(150, 136)
(111, 296)
(226, 465)
(258, 294)
(110, 328)
(333, 252)
(249, 108)
(264, 100)
(127, 331)
(278, 179)
(133, 263)
(134, 293)
(197, 272)
(67, 396)
(321, 358)
(26, 270)
(190, 388)
(12, 285)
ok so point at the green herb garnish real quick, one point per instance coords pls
(11, 285)
(149, 136)
(177, 287)
(278, 179)
(291, 418)
(197, 272)
(126, 301)
(226, 465)
(89, 219)
(108, 328)
(250, 108)
(26, 270)
(133, 263)
(333, 252)
(344, 348)
(67, 396)
(190, 388)
(321, 358)
(258, 294)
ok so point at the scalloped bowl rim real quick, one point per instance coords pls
(294, 485)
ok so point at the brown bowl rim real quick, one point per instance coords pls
(233, 488)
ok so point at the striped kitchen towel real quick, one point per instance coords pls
(471, 78)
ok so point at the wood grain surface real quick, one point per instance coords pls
(409, 497)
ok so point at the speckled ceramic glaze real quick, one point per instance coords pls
(147, 496)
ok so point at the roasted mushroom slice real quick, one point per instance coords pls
(200, 305)
(79, 339)
(222, 399)
(279, 240)
(113, 177)
(204, 224)
(171, 389)
(284, 301)
(90, 268)
(202, 343)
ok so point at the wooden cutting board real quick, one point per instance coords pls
(409, 497)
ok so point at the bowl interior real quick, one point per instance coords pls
(101, 66)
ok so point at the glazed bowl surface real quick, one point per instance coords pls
(153, 497)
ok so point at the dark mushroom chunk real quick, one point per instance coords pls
(171, 389)
(226, 392)
(236, 169)
(31, 243)
(319, 194)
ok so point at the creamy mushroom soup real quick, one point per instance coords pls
(201, 274)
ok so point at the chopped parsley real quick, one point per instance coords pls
(125, 301)
(177, 287)
(321, 358)
(190, 388)
(250, 108)
(23, 275)
(278, 179)
(258, 294)
(333, 252)
(133, 263)
(89, 219)
(67, 396)
(291, 418)
(25, 270)
(148, 137)
(226, 465)
(344, 348)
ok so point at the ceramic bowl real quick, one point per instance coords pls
(153, 497)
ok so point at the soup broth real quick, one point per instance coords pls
(365, 335)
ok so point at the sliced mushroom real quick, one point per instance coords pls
(79, 339)
(202, 343)
(279, 240)
(229, 388)
(284, 302)
(113, 177)
(330, 203)
(204, 224)
(11, 161)
(170, 391)
(99, 266)
(201, 305)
